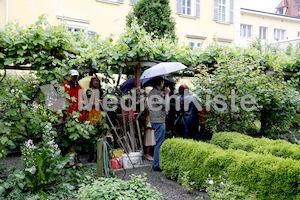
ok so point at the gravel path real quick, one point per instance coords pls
(170, 189)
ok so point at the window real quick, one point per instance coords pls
(298, 34)
(246, 31)
(263, 33)
(91, 34)
(279, 34)
(189, 8)
(223, 11)
(132, 2)
(73, 29)
(194, 45)
(76, 25)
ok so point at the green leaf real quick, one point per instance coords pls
(4, 139)
(40, 162)
(31, 170)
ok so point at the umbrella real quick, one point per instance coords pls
(162, 68)
(127, 85)
(149, 81)
(85, 82)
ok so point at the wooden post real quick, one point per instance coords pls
(137, 75)
(100, 157)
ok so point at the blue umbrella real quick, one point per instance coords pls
(127, 85)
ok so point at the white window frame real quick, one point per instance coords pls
(281, 11)
(76, 29)
(91, 34)
(76, 25)
(263, 32)
(195, 44)
(188, 9)
(222, 8)
(245, 31)
(279, 34)
(132, 2)
(223, 11)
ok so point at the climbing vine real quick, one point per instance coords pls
(50, 52)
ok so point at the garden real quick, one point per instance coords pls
(266, 78)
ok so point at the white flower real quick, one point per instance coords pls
(222, 183)
(211, 182)
(48, 127)
(51, 142)
(29, 144)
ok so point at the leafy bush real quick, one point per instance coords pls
(42, 173)
(224, 189)
(112, 188)
(274, 100)
(280, 148)
(184, 180)
(22, 117)
(266, 175)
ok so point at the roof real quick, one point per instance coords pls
(282, 4)
(256, 12)
(292, 7)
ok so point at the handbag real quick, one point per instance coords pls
(149, 137)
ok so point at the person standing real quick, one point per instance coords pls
(94, 113)
(149, 138)
(188, 114)
(157, 112)
(94, 94)
(74, 90)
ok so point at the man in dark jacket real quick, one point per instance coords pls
(189, 113)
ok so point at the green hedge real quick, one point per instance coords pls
(279, 148)
(271, 177)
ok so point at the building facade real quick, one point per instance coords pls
(198, 22)
(268, 27)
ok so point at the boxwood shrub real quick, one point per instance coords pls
(269, 176)
(233, 140)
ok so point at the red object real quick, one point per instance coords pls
(116, 162)
(202, 117)
(73, 91)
